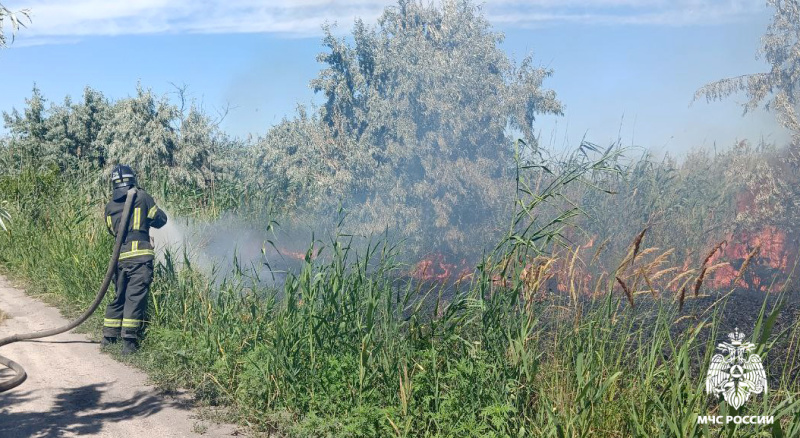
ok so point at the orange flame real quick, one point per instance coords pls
(434, 267)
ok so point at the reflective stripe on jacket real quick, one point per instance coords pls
(144, 215)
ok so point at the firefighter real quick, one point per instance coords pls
(125, 315)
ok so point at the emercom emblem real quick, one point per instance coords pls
(736, 372)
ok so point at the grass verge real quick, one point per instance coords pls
(342, 349)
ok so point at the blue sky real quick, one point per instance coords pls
(623, 68)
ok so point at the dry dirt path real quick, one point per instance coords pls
(75, 390)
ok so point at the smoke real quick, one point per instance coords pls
(219, 247)
(180, 238)
(269, 250)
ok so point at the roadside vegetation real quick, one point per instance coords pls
(594, 287)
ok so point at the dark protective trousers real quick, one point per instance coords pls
(126, 314)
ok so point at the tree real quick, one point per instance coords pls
(772, 185)
(73, 130)
(165, 144)
(65, 135)
(14, 19)
(299, 162)
(780, 86)
(6, 14)
(86, 121)
(416, 122)
(139, 132)
(29, 130)
(199, 157)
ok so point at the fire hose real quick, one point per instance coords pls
(21, 375)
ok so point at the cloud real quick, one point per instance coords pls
(77, 18)
(126, 17)
(624, 12)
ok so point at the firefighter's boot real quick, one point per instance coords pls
(129, 346)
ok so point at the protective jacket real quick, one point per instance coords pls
(145, 214)
(126, 314)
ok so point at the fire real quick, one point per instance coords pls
(759, 261)
(434, 267)
(285, 253)
(295, 254)
(569, 272)
(773, 258)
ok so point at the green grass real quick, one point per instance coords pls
(343, 350)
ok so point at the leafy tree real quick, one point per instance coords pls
(780, 86)
(139, 131)
(299, 162)
(201, 151)
(65, 134)
(28, 131)
(417, 123)
(86, 122)
(73, 130)
(772, 183)
(169, 147)
(14, 19)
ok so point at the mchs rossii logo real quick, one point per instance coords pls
(734, 374)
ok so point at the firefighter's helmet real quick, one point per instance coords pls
(122, 177)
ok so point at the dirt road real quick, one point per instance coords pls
(75, 390)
